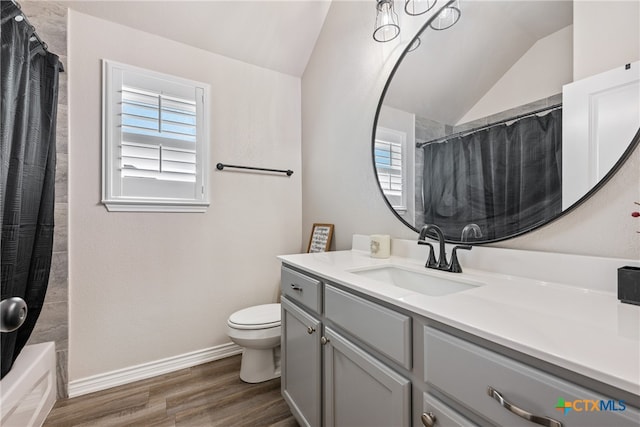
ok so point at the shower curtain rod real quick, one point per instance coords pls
(490, 125)
(35, 33)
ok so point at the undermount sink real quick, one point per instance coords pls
(422, 283)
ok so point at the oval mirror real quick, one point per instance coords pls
(483, 130)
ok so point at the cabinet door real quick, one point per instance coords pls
(301, 364)
(361, 391)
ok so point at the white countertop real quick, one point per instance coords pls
(586, 331)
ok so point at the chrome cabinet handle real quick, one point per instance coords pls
(536, 419)
(296, 287)
(310, 330)
(428, 419)
(324, 340)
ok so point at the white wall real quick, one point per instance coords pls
(539, 73)
(340, 91)
(596, 25)
(147, 286)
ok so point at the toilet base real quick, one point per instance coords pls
(259, 365)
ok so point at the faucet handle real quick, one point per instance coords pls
(431, 260)
(455, 267)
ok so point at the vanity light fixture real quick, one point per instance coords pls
(387, 27)
(447, 16)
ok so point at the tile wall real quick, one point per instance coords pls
(50, 20)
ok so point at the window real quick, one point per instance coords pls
(155, 142)
(390, 165)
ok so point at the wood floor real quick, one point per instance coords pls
(206, 395)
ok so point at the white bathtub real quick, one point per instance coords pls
(28, 391)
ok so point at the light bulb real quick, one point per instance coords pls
(386, 27)
(418, 7)
(447, 16)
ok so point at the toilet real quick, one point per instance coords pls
(257, 330)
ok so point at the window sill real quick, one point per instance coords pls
(145, 206)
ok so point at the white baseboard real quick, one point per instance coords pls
(150, 369)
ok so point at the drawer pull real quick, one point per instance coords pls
(310, 330)
(324, 340)
(543, 421)
(428, 419)
(296, 287)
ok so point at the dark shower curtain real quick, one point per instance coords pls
(29, 92)
(506, 178)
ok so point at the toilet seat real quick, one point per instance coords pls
(263, 316)
(258, 332)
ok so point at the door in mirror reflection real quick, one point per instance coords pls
(610, 103)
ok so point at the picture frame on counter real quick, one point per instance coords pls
(320, 240)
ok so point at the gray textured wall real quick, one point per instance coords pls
(50, 20)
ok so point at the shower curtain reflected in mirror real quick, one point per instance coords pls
(29, 92)
(506, 178)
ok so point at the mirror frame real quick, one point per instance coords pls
(623, 158)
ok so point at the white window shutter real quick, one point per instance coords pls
(155, 143)
(390, 165)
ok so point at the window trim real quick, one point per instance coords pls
(111, 138)
(391, 134)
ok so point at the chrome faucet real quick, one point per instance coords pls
(441, 264)
(470, 229)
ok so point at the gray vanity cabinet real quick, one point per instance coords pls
(301, 363)
(350, 360)
(359, 390)
(324, 331)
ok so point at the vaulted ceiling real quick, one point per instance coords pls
(281, 35)
(278, 35)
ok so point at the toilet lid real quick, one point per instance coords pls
(259, 316)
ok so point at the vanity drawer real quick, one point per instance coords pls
(465, 371)
(302, 288)
(385, 330)
(441, 414)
